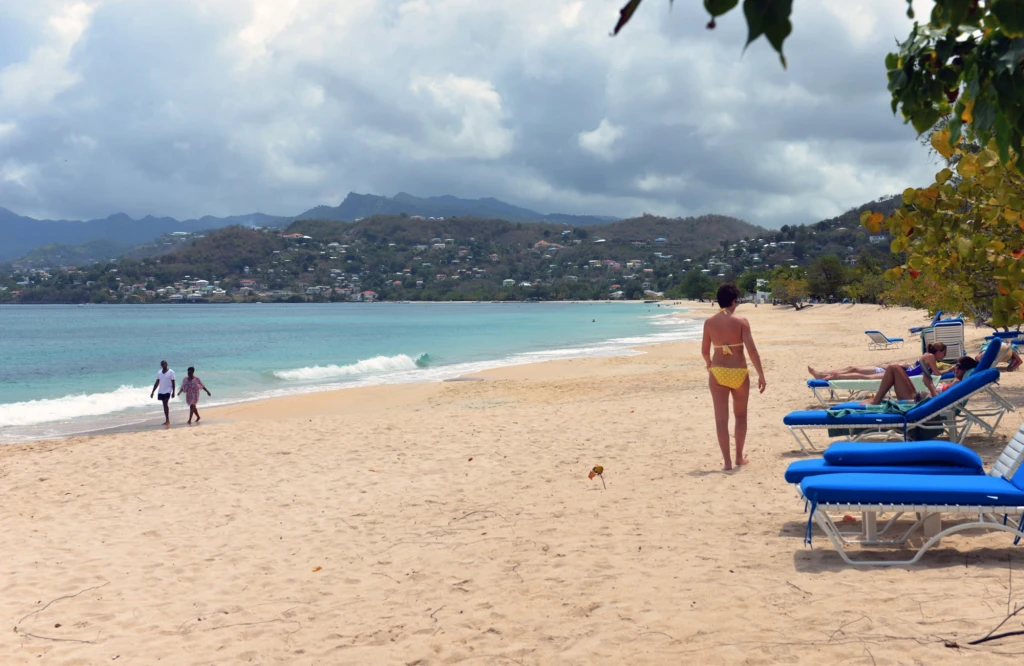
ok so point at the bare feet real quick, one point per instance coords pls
(727, 468)
(742, 461)
(166, 423)
(815, 373)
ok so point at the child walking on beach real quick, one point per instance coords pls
(728, 334)
(191, 387)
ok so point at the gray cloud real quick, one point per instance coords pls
(179, 108)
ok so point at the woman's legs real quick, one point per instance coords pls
(720, 398)
(740, 398)
(851, 369)
(895, 378)
(853, 375)
(193, 410)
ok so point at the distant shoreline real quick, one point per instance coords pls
(123, 422)
(670, 302)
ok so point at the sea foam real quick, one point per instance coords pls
(371, 366)
(34, 412)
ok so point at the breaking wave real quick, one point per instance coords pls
(34, 412)
(371, 366)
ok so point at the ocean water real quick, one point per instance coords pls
(72, 369)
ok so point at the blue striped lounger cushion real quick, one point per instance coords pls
(911, 489)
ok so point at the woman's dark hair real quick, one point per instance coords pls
(937, 347)
(191, 369)
(966, 363)
(727, 295)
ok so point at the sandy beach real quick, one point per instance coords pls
(454, 523)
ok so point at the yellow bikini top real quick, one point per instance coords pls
(725, 348)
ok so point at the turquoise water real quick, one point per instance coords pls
(73, 369)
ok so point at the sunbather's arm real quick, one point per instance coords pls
(705, 347)
(926, 377)
(755, 358)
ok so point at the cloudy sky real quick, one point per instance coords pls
(192, 107)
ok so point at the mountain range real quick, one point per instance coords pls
(357, 206)
(22, 234)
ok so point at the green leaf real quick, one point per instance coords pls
(1011, 16)
(719, 7)
(771, 19)
(625, 14)
(957, 11)
(924, 120)
(955, 128)
(984, 115)
(1014, 52)
(964, 247)
(1003, 138)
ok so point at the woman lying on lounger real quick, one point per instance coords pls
(895, 378)
(936, 352)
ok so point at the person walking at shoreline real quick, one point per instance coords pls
(728, 335)
(165, 382)
(191, 386)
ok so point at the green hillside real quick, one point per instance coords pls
(399, 257)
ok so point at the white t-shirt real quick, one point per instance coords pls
(165, 379)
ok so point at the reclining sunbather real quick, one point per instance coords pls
(1008, 354)
(896, 378)
(936, 352)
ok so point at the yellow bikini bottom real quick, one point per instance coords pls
(729, 377)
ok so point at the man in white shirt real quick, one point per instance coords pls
(165, 382)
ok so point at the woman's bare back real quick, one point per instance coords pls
(726, 333)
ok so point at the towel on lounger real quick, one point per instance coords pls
(887, 407)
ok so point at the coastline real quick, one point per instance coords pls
(130, 416)
(454, 522)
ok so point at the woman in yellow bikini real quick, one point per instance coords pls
(728, 370)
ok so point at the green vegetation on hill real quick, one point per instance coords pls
(396, 257)
(56, 254)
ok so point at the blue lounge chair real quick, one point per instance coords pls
(990, 501)
(881, 341)
(953, 417)
(930, 457)
(914, 330)
(918, 458)
(949, 332)
(1001, 405)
